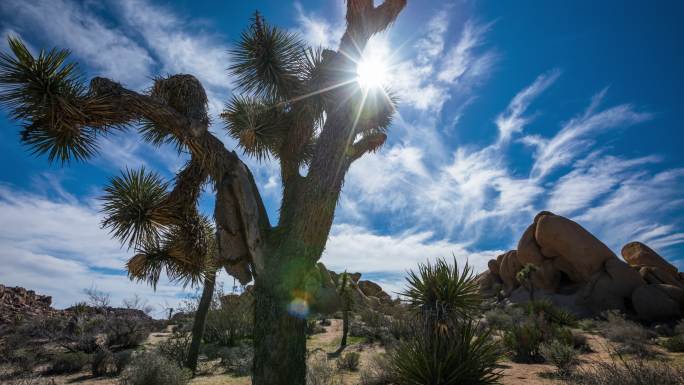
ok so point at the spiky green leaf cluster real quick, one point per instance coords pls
(185, 257)
(267, 61)
(460, 355)
(47, 94)
(134, 207)
(442, 290)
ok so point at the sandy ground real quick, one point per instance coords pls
(325, 345)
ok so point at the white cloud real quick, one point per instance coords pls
(66, 24)
(575, 137)
(56, 247)
(462, 61)
(317, 31)
(512, 120)
(354, 248)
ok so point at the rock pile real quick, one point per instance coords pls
(18, 302)
(579, 272)
(364, 292)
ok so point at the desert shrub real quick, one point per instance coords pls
(237, 360)
(122, 359)
(523, 340)
(319, 371)
(176, 348)
(103, 363)
(126, 332)
(107, 363)
(674, 344)
(551, 312)
(71, 362)
(378, 371)
(628, 372)
(23, 359)
(324, 322)
(587, 324)
(349, 361)
(452, 353)
(618, 329)
(153, 369)
(503, 318)
(632, 338)
(560, 355)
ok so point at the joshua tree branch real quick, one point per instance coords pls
(369, 143)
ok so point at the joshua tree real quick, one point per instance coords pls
(524, 276)
(298, 105)
(345, 293)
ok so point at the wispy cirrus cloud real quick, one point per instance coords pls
(577, 134)
(512, 120)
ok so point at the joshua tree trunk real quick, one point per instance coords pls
(279, 340)
(200, 319)
(345, 328)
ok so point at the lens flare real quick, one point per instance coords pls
(298, 307)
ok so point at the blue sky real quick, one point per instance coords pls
(507, 108)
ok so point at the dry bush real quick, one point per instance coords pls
(153, 369)
(349, 361)
(560, 355)
(320, 371)
(71, 362)
(628, 372)
(378, 371)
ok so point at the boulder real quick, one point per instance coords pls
(508, 268)
(624, 278)
(638, 254)
(528, 249)
(653, 303)
(582, 253)
(547, 277)
(655, 275)
(493, 266)
(369, 288)
(674, 292)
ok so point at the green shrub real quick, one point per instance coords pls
(176, 348)
(674, 344)
(551, 312)
(503, 318)
(72, 362)
(349, 361)
(122, 359)
(523, 340)
(560, 355)
(23, 359)
(230, 320)
(587, 324)
(455, 353)
(153, 369)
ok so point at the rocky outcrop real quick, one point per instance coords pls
(575, 266)
(19, 302)
(326, 297)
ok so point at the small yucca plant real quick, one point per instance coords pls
(441, 290)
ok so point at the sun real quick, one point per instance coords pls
(371, 72)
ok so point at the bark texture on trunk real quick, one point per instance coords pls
(279, 340)
(345, 328)
(200, 319)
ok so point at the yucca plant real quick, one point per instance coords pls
(442, 290)
(298, 105)
(459, 355)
